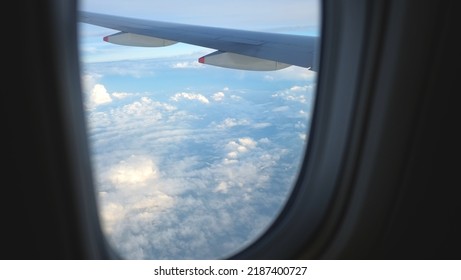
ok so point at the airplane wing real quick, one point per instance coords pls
(237, 49)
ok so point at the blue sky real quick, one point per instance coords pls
(255, 14)
(192, 161)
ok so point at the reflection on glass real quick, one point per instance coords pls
(193, 161)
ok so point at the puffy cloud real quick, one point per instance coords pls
(219, 96)
(134, 196)
(139, 113)
(99, 95)
(247, 142)
(133, 172)
(302, 94)
(236, 148)
(190, 96)
(94, 93)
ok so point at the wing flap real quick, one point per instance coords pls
(130, 39)
(242, 62)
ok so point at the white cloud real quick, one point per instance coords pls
(232, 145)
(293, 73)
(235, 97)
(142, 112)
(99, 95)
(190, 96)
(281, 109)
(95, 94)
(222, 187)
(231, 122)
(120, 95)
(187, 209)
(219, 96)
(302, 94)
(227, 161)
(236, 148)
(232, 155)
(262, 125)
(247, 142)
(133, 172)
(264, 140)
(133, 198)
(297, 88)
(242, 149)
(300, 125)
(89, 80)
(112, 213)
(187, 65)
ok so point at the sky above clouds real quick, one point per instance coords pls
(192, 161)
(255, 14)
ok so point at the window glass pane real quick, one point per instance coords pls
(193, 161)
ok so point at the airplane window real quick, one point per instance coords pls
(193, 160)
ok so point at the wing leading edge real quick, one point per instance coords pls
(238, 49)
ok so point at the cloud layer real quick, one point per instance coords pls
(193, 169)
